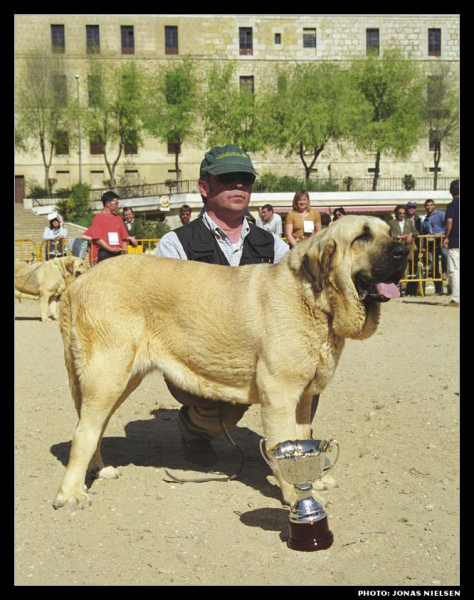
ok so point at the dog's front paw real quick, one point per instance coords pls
(74, 500)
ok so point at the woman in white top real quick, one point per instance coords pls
(55, 234)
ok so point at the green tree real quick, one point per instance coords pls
(75, 206)
(441, 114)
(42, 111)
(172, 106)
(231, 114)
(114, 116)
(312, 105)
(392, 86)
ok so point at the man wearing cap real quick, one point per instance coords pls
(220, 235)
(411, 214)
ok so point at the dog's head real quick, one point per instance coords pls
(71, 267)
(352, 266)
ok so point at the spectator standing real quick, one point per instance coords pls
(131, 224)
(411, 214)
(451, 243)
(302, 221)
(182, 218)
(269, 220)
(54, 234)
(107, 231)
(338, 213)
(220, 235)
(434, 225)
(405, 232)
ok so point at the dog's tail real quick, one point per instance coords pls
(66, 328)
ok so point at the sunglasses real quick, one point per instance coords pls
(231, 178)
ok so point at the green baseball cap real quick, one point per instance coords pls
(226, 159)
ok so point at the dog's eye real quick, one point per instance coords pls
(365, 237)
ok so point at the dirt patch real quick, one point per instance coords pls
(393, 405)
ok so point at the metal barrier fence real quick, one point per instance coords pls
(425, 261)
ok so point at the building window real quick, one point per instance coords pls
(97, 179)
(128, 39)
(434, 42)
(245, 40)
(95, 90)
(171, 40)
(60, 89)
(132, 177)
(93, 39)
(96, 145)
(247, 82)
(57, 39)
(131, 145)
(309, 38)
(277, 38)
(63, 179)
(62, 143)
(372, 41)
(174, 148)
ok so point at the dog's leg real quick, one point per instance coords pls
(101, 398)
(279, 425)
(101, 471)
(44, 304)
(54, 307)
(303, 417)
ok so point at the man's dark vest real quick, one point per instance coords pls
(200, 244)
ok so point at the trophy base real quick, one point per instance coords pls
(309, 537)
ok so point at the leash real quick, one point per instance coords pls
(175, 479)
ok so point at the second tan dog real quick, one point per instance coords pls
(47, 281)
(268, 334)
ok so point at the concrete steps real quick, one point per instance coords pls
(29, 226)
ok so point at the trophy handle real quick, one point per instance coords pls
(329, 446)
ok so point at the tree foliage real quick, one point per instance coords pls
(392, 86)
(172, 106)
(231, 114)
(42, 108)
(441, 113)
(312, 105)
(113, 117)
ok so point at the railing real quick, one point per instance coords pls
(288, 184)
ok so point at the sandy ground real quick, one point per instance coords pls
(393, 405)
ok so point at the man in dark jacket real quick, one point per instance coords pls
(221, 235)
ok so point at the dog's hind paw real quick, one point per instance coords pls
(108, 473)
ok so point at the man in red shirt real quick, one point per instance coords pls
(108, 231)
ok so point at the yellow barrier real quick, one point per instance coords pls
(29, 251)
(425, 253)
(424, 262)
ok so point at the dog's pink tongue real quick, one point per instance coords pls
(388, 290)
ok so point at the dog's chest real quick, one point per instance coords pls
(326, 364)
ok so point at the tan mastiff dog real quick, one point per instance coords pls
(221, 333)
(47, 281)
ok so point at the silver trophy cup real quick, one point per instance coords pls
(300, 463)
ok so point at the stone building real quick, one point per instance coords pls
(254, 42)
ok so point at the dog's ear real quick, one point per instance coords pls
(317, 265)
(70, 264)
